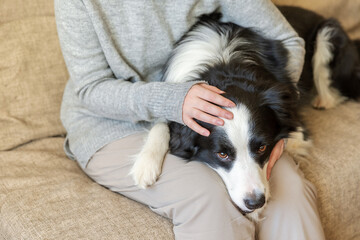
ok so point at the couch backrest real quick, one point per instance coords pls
(11, 10)
(32, 72)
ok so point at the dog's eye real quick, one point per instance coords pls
(262, 149)
(223, 156)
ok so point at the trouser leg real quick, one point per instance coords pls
(195, 198)
(189, 193)
(292, 213)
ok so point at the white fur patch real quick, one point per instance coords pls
(246, 176)
(148, 164)
(203, 47)
(296, 145)
(327, 97)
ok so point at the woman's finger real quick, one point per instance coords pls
(203, 103)
(216, 98)
(196, 127)
(204, 117)
(212, 88)
(212, 109)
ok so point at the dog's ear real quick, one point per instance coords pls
(214, 16)
(271, 53)
(275, 57)
(282, 100)
(182, 141)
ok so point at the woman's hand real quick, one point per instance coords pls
(274, 156)
(199, 104)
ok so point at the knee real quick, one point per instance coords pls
(209, 207)
(289, 181)
(209, 198)
(211, 191)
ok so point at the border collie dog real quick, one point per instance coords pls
(251, 69)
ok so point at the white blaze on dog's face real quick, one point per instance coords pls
(245, 179)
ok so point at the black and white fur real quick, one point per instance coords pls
(332, 60)
(252, 70)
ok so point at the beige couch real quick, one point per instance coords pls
(44, 195)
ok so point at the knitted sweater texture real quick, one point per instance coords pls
(115, 51)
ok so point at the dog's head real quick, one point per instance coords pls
(239, 151)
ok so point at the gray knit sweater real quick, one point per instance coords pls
(114, 52)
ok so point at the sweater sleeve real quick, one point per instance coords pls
(266, 18)
(95, 84)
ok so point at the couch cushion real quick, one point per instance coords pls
(44, 195)
(32, 79)
(334, 167)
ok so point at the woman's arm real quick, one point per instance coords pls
(95, 84)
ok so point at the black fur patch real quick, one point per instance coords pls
(345, 66)
(263, 85)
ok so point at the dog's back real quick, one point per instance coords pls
(332, 62)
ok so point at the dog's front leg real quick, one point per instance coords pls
(148, 164)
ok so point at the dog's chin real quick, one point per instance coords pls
(254, 216)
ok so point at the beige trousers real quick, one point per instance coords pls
(194, 197)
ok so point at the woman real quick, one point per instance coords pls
(114, 51)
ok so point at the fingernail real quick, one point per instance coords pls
(231, 104)
(219, 122)
(229, 115)
(206, 133)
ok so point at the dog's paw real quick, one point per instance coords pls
(330, 100)
(148, 164)
(322, 104)
(298, 144)
(146, 170)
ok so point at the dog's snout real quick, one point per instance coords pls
(254, 200)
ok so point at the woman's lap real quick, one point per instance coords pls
(195, 198)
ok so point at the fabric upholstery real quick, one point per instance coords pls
(32, 76)
(11, 10)
(333, 166)
(44, 195)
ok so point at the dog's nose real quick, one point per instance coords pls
(254, 200)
